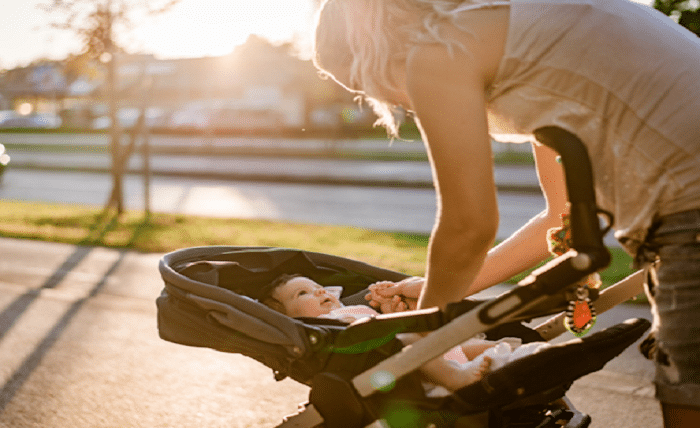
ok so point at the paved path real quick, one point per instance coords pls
(79, 348)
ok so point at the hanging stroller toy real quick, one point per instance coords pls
(360, 374)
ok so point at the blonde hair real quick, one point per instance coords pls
(364, 37)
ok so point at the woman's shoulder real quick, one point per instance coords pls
(479, 37)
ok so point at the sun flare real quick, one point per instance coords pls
(197, 28)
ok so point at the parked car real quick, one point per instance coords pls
(4, 160)
(6, 114)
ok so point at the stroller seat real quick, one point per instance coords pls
(209, 300)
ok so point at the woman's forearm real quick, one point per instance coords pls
(528, 246)
(523, 250)
(454, 260)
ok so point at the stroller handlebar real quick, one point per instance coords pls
(586, 233)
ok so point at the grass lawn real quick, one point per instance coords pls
(161, 233)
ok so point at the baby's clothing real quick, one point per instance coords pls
(507, 349)
(350, 313)
(503, 353)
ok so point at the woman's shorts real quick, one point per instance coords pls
(674, 291)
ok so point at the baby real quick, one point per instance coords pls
(299, 296)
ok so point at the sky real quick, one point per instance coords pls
(194, 28)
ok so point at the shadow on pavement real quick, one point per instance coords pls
(14, 311)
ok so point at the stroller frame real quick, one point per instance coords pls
(544, 292)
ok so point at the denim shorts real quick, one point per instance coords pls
(674, 292)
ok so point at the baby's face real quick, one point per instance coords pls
(303, 297)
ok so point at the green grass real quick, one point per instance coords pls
(167, 232)
(161, 233)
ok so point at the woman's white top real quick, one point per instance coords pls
(626, 80)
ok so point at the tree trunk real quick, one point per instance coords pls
(116, 197)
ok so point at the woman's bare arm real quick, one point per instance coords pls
(448, 97)
(528, 246)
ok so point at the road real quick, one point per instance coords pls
(399, 209)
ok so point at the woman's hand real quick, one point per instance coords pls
(389, 297)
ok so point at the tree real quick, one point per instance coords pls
(687, 12)
(99, 23)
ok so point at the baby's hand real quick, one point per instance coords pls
(378, 298)
(391, 297)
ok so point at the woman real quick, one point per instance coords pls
(621, 76)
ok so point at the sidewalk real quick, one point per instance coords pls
(79, 348)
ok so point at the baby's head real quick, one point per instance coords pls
(299, 296)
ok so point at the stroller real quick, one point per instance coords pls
(360, 374)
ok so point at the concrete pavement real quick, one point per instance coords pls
(79, 348)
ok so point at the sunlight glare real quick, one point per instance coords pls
(225, 202)
(196, 28)
(25, 109)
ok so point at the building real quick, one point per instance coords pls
(258, 86)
